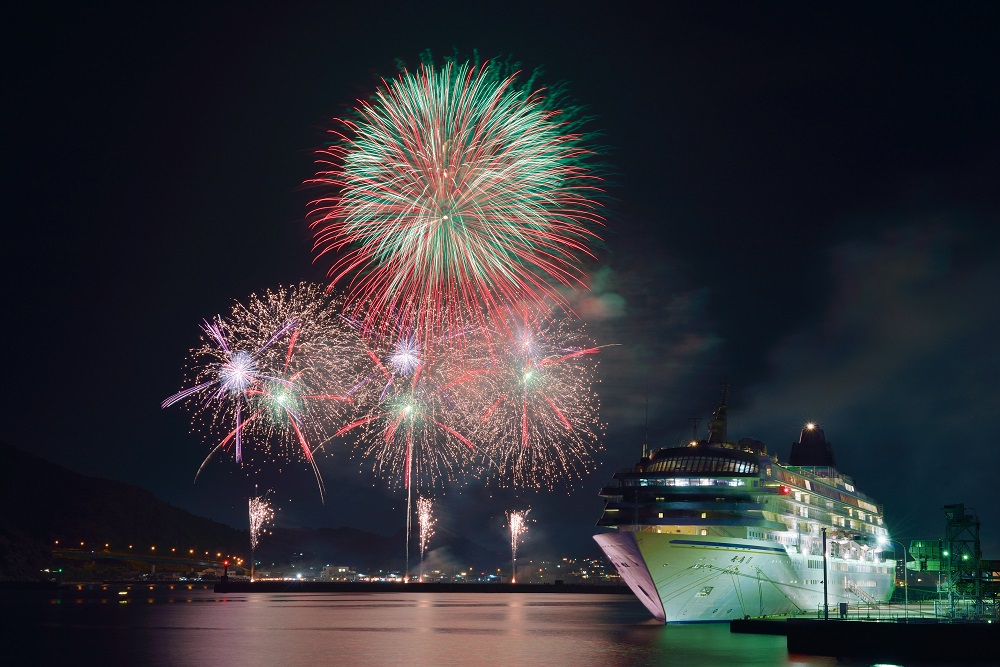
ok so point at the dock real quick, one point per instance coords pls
(891, 640)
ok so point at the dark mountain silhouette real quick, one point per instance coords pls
(46, 502)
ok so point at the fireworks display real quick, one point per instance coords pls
(457, 188)
(260, 514)
(459, 208)
(425, 522)
(518, 526)
(276, 372)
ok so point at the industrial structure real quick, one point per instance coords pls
(966, 585)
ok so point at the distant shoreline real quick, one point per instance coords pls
(242, 586)
(398, 587)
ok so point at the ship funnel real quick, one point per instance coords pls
(812, 449)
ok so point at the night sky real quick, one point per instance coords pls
(803, 202)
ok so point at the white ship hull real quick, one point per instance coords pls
(696, 578)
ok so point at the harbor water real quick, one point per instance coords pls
(154, 626)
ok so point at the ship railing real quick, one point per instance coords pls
(636, 528)
(827, 472)
(916, 611)
(856, 612)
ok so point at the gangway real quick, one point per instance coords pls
(861, 593)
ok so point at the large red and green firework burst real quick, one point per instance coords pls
(456, 188)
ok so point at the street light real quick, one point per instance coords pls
(906, 574)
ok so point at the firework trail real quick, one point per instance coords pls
(540, 424)
(457, 188)
(260, 514)
(518, 527)
(286, 395)
(426, 522)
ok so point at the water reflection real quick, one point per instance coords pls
(183, 627)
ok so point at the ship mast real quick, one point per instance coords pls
(717, 427)
(645, 434)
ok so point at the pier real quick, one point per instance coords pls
(884, 637)
(904, 640)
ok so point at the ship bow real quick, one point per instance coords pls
(623, 552)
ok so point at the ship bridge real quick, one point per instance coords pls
(698, 485)
(701, 460)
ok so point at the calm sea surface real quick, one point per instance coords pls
(200, 627)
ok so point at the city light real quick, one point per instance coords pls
(172, 564)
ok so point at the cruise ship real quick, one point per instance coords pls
(716, 530)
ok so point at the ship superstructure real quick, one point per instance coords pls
(716, 530)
